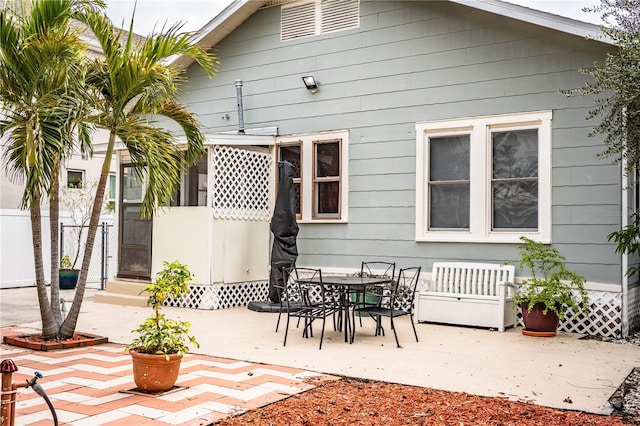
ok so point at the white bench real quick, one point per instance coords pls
(475, 294)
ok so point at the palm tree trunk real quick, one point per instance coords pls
(49, 326)
(69, 324)
(54, 226)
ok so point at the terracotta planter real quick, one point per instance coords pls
(153, 373)
(538, 324)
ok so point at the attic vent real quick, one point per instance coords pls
(307, 18)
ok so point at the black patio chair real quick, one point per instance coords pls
(398, 302)
(370, 297)
(316, 302)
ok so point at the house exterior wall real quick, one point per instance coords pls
(179, 234)
(410, 62)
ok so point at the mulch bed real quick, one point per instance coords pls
(348, 401)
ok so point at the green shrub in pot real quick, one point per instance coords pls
(159, 334)
(550, 282)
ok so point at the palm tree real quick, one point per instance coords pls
(134, 85)
(40, 110)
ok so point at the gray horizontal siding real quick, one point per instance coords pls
(410, 62)
(601, 214)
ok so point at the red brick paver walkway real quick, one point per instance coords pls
(92, 386)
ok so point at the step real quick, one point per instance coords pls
(130, 288)
(119, 299)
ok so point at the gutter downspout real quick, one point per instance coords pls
(624, 216)
(240, 107)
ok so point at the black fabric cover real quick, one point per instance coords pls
(284, 228)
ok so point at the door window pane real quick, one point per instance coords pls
(132, 186)
(514, 185)
(449, 190)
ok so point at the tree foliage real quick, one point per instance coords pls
(616, 83)
(134, 89)
(51, 96)
(42, 110)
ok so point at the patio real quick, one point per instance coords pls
(543, 371)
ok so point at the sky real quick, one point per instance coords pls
(196, 13)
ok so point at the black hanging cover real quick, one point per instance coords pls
(284, 228)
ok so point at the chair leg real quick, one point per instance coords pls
(286, 331)
(395, 334)
(322, 332)
(278, 322)
(308, 328)
(379, 327)
(415, 333)
(352, 324)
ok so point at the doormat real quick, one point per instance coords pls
(137, 391)
(37, 343)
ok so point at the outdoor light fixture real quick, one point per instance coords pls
(310, 83)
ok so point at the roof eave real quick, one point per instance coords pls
(222, 25)
(538, 17)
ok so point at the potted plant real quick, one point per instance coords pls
(162, 342)
(546, 297)
(67, 275)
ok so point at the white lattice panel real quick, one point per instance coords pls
(240, 179)
(605, 316)
(222, 296)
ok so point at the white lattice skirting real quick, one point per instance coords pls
(222, 296)
(604, 319)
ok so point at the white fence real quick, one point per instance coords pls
(16, 250)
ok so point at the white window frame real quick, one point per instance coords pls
(306, 142)
(479, 129)
(110, 178)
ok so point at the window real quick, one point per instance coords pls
(326, 179)
(75, 179)
(111, 193)
(320, 170)
(193, 186)
(308, 18)
(484, 179)
(292, 152)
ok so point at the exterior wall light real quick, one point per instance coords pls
(310, 83)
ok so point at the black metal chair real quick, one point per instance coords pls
(307, 299)
(370, 298)
(398, 302)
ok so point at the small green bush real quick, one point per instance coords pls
(159, 334)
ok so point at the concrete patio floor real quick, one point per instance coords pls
(564, 371)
